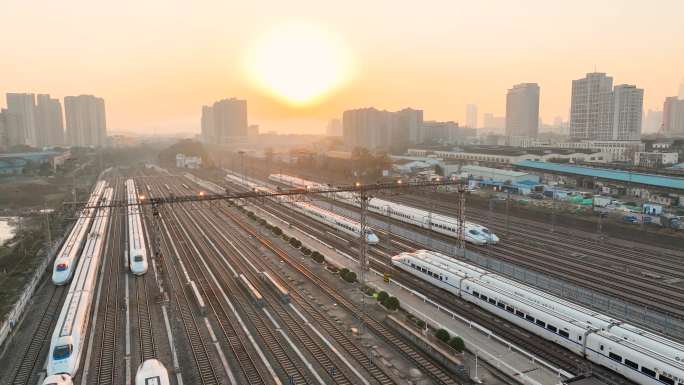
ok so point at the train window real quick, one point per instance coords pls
(648, 372)
(413, 265)
(615, 357)
(476, 294)
(601, 347)
(666, 380)
(501, 305)
(529, 318)
(631, 364)
(563, 333)
(552, 328)
(509, 309)
(579, 338)
(519, 314)
(61, 352)
(138, 258)
(541, 323)
(492, 301)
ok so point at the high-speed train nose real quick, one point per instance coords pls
(372, 238)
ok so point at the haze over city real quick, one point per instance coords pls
(156, 63)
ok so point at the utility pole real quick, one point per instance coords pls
(460, 214)
(508, 207)
(363, 255)
(47, 225)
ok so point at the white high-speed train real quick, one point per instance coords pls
(66, 345)
(67, 258)
(339, 222)
(137, 252)
(439, 223)
(639, 355)
(152, 372)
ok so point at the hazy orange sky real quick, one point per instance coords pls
(156, 62)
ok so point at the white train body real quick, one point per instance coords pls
(66, 345)
(641, 356)
(137, 251)
(58, 379)
(439, 223)
(152, 372)
(67, 258)
(334, 220)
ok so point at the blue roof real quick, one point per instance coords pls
(616, 175)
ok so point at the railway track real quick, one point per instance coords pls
(316, 348)
(197, 344)
(30, 357)
(556, 355)
(235, 339)
(428, 367)
(106, 368)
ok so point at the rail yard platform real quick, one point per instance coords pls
(518, 365)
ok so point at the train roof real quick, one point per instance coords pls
(72, 304)
(677, 363)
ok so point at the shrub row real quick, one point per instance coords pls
(454, 342)
(391, 303)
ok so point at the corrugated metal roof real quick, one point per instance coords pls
(617, 175)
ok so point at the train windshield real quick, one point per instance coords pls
(61, 352)
(485, 230)
(138, 258)
(474, 232)
(62, 267)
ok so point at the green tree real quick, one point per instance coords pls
(442, 335)
(457, 343)
(392, 303)
(382, 297)
(350, 277)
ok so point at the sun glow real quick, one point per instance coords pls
(298, 63)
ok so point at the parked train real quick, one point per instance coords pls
(336, 221)
(66, 345)
(637, 354)
(152, 372)
(137, 252)
(67, 258)
(439, 223)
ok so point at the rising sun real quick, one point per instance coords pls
(298, 63)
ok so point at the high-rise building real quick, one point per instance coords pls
(673, 116)
(334, 128)
(653, 121)
(590, 107)
(681, 89)
(208, 129)
(522, 110)
(628, 103)
(23, 106)
(49, 123)
(368, 127)
(410, 123)
(493, 123)
(86, 123)
(471, 116)
(229, 120)
(12, 128)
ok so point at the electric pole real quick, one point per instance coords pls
(363, 255)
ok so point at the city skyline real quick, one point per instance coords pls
(199, 60)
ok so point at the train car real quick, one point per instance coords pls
(339, 222)
(645, 358)
(253, 292)
(66, 345)
(443, 224)
(58, 379)
(152, 372)
(137, 250)
(336, 221)
(67, 258)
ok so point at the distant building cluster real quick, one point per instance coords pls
(187, 161)
(225, 122)
(522, 110)
(37, 121)
(673, 116)
(600, 112)
(385, 130)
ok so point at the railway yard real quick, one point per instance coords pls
(219, 297)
